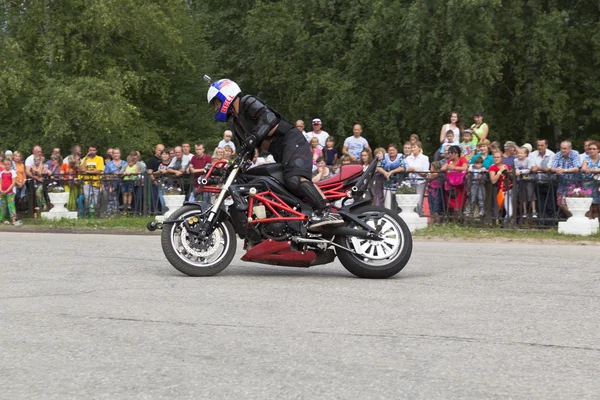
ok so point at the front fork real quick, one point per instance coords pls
(208, 226)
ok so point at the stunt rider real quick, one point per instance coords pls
(255, 123)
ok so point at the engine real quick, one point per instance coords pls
(275, 229)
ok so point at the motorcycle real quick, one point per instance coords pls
(200, 239)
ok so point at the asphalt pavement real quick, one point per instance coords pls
(106, 317)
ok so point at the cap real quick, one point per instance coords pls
(8, 153)
(468, 131)
(316, 121)
(528, 146)
(510, 143)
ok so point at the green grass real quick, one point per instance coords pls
(131, 224)
(453, 231)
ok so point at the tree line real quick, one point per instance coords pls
(128, 73)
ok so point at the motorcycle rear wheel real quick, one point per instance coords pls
(390, 256)
(179, 247)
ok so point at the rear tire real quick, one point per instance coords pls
(399, 255)
(191, 264)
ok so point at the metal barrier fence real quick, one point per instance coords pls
(535, 200)
(100, 196)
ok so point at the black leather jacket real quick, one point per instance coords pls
(256, 118)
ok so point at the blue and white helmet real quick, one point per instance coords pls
(225, 90)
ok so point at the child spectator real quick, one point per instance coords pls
(477, 187)
(228, 153)
(330, 152)
(8, 178)
(447, 143)
(435, 191)
(499, 177)
(377, 188)
(525, 184)
(316, 152)
(218, 154)
(227, 136)
(21, 176)
(467, 146)
(131, 170)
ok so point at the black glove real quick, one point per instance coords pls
(248, 145)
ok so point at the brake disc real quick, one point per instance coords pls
(215, 240)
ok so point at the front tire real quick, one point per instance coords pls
(376, 259)
(183, 254)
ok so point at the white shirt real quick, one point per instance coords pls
(29, 161)
(223, 143)
(188, 157)
(306, 135)
(355, 145)
(321, 137)
(543, 162)
(420, 163)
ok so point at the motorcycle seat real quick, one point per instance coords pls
(274, 170)
(346, 172)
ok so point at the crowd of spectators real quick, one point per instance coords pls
(467, 175)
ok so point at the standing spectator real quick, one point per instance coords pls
(435, 192)
(479, 128)
(8, 178)
(510, 153)
(75, 151)
(316, 152)
(69, 175)
(55, 152)
(417, 164)
(199, 161)
(392, 167)
(36, 151)
(21, 176)
(453, 125)
(355, 144)
(178, 164)
(365, 159)
(542, 160)
(52, 171)
(407, 149)
(330, 152)
(456, 169)
(36, 173)
(526, 191)
(322, 172)
(318, 133)
(159, 175)
(152, 167)
(477, 187)
(467, 145)
(171, 153)
(586, 149)
(218, 155)
(377, 189)
(8, 154)
(227, 136)
(112, 172)
(499, 177)
(92, 167)
(300, 127)
(566, 165)
(187, 152)
(483, 151)
(228, 153)
(129, 177)
(591, 167)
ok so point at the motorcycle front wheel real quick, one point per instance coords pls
(376, 259)
(194, 256)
